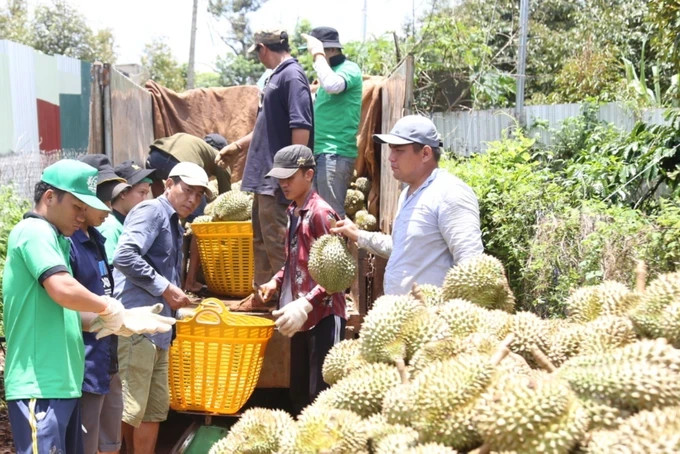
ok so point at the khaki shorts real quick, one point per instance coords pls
(100, 415)
(143, 370)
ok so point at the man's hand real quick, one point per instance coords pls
(347, 228)
(175, 297)
(314, 46)
(226, 153)
(139, 320)
(267, 290)
(111, 317)
(290, 319)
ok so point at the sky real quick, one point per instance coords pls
(137, 22)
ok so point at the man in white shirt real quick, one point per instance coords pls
(437, 223)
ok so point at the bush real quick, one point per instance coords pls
(12, 209)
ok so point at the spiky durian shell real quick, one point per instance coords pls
(426, 326)
(382, 329)
(588, 303)
(343, 358)
(564, 341)
(322, 429)
(363, 390)
(330, 264)
(365, 221)
(462, 317)
(232, 206)
(531, 414)
(481, 280)
(660, 293)
(653, 431)
(529, 331)
(363, 184)
(258, 431)
(606, 333)
(378, 429)
(397, 443)
(638, 376)
(354, 201)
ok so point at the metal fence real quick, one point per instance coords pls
(468, 132)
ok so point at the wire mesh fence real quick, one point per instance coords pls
(22, 171)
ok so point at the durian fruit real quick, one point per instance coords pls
(669, 325)
(330, 264)
(531, 415)
(354, 201)
(214, 187)
(481, 280)
(236, 186)
(498, 323)
(602, 415)
(202, 219)
(365, 221)
(397, 443)
(529, 332)
(209, 209)
(661, 292)
(588, 303)
(429, 294)
(564, 341)
(362, 184)
(382, 329)
(398, 405)
(462, 317)
(378, 429)
(444, 397)
(426, 326)
(363, 390)
(652, 431)
(258, 431)
(322, 429)
(638, 376)
(606, 333)
(232, 206)
(430, 448)
(342, 358)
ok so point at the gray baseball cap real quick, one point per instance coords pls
(288, 159)
(411, 129)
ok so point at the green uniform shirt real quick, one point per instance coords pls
(336, 116)
(111, 229)
(45, 352)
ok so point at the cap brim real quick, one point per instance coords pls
(390, 139)
(281, 173)
(120, 187)
(91, 201)
(194, 182)
(104, 176)
(139, 175)
(252, 48)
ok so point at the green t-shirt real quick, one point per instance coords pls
(45, 352)
(111, 229)
(336, 116)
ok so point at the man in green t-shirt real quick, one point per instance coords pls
(45, 352)
(337, 109)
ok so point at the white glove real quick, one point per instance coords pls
(110, 318)
(292, 316)
(313, 45)
(138, 320)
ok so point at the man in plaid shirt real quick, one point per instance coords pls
(313, 319)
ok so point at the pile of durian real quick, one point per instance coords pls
(456, 369)
(355, 204)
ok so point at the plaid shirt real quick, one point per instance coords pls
(313, 221)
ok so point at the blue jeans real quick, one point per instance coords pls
(333, 174)
(54, 425)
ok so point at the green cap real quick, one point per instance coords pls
(77, 178)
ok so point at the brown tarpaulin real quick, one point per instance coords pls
(227, 111)
(231, 112)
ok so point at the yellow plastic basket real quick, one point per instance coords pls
(226, 250)
(216, 359)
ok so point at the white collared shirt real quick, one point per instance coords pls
(436, 227)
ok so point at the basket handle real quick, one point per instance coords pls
(207, 316)
(213, 303)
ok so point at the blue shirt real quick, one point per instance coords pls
(286, 104)
(149, 258)
(436, 227)
(90, 268)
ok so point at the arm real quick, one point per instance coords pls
(375, 242)
(332, 82)
(299, 136)
(141, 229)
(69, 293)
(460, 226)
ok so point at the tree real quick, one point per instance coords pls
(664, 20)
(162, 67)
(14, 23)
(58, 29)
(61, 29)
